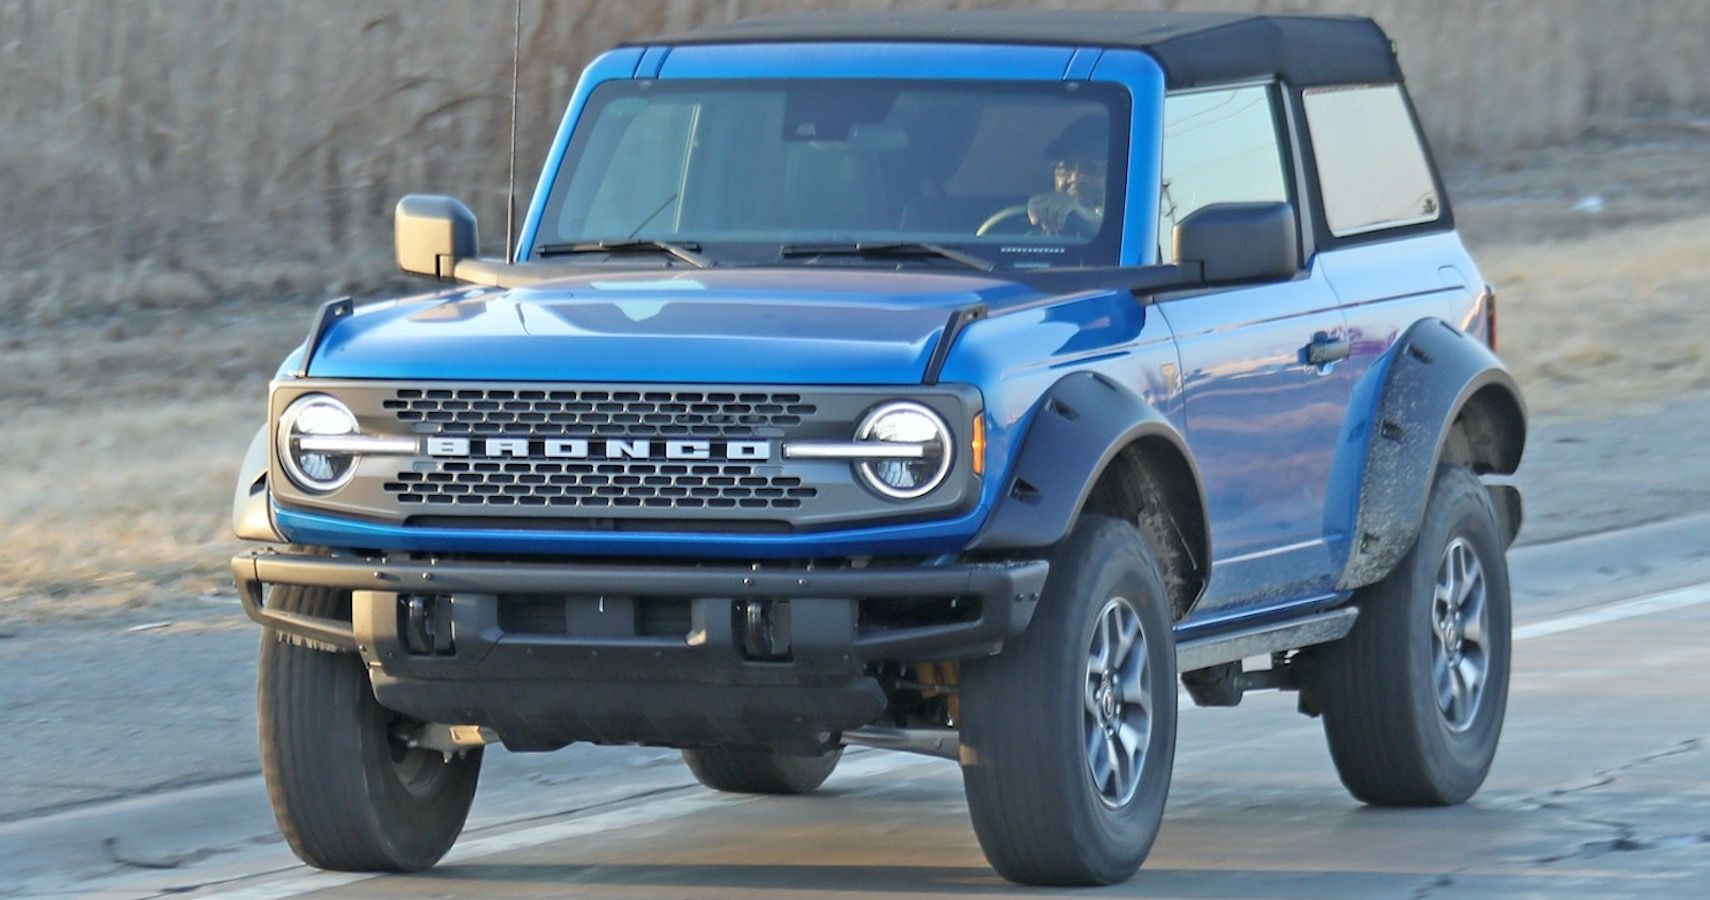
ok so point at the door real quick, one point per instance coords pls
(1263, 417)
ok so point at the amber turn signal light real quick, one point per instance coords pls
(979, 444)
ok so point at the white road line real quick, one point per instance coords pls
(1680, 598)
(857, 766)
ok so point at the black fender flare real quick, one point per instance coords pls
(1080, 426)
(252, 515)
(1434, 372)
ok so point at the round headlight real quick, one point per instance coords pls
(913, 426)
(311, 463)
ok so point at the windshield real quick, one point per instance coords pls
(1020, 175)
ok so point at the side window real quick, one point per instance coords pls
(1220, 146)
(1371, 165)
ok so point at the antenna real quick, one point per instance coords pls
(511, 190)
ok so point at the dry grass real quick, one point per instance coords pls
(119, 456)
(120, 510)
(1607, 323)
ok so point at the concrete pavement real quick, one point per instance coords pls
(1600, 789)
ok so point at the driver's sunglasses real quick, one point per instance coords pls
(1086, 168)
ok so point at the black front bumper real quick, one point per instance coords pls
(604, 669)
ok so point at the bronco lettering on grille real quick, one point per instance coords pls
(598, 448)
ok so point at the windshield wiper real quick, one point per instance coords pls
(685, 252)
(896, 248)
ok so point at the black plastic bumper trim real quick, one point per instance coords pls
(250, 593)
(1008, 591)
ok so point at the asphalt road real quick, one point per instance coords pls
(1601, 788)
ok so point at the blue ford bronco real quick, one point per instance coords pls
(955, 383)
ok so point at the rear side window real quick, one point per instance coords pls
(1371, 164)
(1220, 146)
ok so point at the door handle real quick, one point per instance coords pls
(1325, 350)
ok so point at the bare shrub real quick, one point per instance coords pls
(248, 147)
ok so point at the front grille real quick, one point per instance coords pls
(505, 455)
(573, 413)
(600, 485)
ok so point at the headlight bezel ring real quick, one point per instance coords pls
(287, 432)
(866, 469)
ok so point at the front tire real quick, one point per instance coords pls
(347, 792)
(1414, 697)
(1069, 734)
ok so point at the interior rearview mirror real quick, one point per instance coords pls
(432, 233)
(1240, 241)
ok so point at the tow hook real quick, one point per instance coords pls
(426, 625)
(765, 628)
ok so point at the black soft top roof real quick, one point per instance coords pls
(1192, 48)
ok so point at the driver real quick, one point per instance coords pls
(1079, 160)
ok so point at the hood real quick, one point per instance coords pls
(780, 326)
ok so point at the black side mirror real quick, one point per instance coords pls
(432, 233)
(1240, 241)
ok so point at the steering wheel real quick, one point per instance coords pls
(992, 221)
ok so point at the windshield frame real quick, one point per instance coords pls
(1012, 252)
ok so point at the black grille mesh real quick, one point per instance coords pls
(608, 413)
(598, 485)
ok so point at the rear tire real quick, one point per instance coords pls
(1414, 697)
(759, 770)
(348, 795)
(1068, 736)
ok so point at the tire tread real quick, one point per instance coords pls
(1015, 798)
(309, 704)
(1387, 745)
